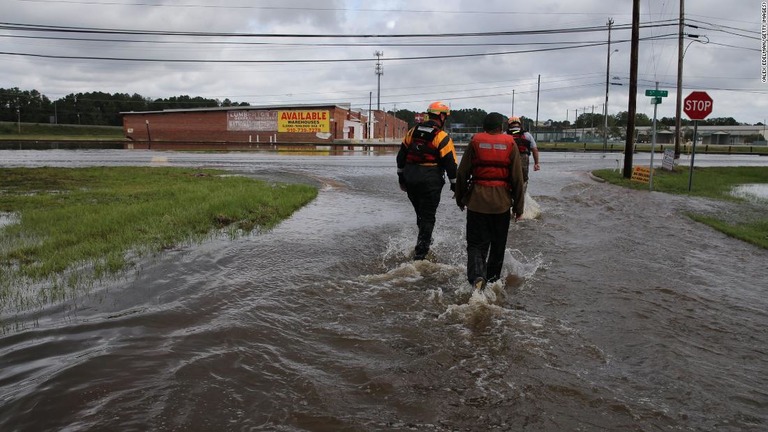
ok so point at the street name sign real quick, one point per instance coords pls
(657, 93)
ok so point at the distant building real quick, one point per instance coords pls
(249, 125)
(713, 135)
(717, 135)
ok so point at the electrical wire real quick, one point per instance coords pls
(95, 30)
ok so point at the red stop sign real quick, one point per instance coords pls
(697, 105)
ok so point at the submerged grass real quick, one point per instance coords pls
(65, 218)
(716, 183)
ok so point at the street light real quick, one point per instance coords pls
(605, 107)
(679, 96)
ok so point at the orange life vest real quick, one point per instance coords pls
(490, 165)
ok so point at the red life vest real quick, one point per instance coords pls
(490, 165)
(422, 149)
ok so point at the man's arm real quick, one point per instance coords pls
(534, 151)
(402, 154)
(462, 176)
(447, 157)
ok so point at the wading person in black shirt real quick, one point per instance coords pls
(426, 155)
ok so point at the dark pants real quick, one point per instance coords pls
(524, 162)
(425, 197)
(486, 243)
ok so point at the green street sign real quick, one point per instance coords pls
(655, 100)
(657, 93)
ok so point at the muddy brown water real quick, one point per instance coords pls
(616, 313)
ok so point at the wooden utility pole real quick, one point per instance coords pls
(629, 147)
(607, 84)
(679, 98)
(538, 92)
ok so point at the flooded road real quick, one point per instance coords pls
(616, 313)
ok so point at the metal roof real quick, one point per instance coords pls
(345, 106)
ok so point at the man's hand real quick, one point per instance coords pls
(536, 167)
(401, 180)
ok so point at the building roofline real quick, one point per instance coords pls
(346, 106)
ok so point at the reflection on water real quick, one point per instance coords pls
(751, 191)
(8, 219)
(607, 318)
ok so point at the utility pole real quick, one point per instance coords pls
(149, 136)
(653, 139)
(536, 125)
(679, 98)
(629, 147)
(607, 84)
(575, 125)
(370, 115)
(379, 73)
(513, 101)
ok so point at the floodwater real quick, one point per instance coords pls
(751, 191)
(616, 313)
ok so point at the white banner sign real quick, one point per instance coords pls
(248, 120)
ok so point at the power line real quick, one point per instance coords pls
(295, 44)
(96, 30)
(313, 9)
(336, 60)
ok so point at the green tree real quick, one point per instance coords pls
(640, 119)
(721, 121)
(407, 115)
(471, 118)
(26, 105)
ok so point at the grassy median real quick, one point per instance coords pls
(62, 221)
(748, 222)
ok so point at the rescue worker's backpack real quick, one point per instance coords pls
(422, 150)
(523, 143)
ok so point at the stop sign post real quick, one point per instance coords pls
(697, 106)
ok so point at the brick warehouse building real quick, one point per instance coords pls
(257, 127)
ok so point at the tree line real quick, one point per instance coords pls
(91, 108)
(103, 109)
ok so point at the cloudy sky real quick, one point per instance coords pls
(471, 54)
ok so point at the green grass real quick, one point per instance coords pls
(755, 232)
(715, 183)
(37, 131)
(81, 223)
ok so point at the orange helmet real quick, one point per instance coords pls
(514, 119)
(439, 108)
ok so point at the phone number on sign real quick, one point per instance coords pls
(303, 130)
